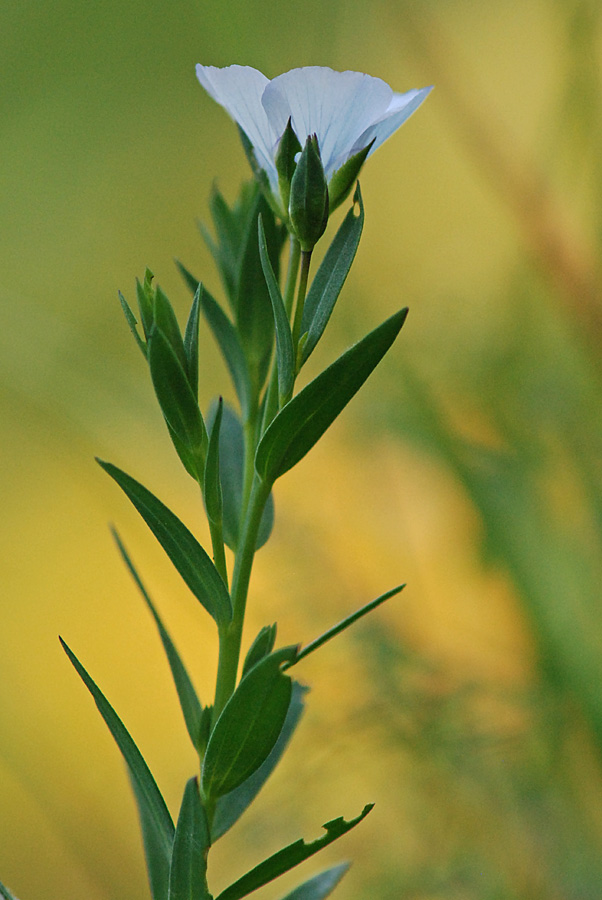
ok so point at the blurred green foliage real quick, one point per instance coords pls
(473, 715)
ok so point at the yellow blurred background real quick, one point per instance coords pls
(470, 707)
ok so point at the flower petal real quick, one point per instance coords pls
(401, 108)
(336, 106)
(239, 89)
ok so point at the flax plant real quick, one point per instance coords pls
(306, 134)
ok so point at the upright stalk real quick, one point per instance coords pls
(303, 278)
(230, 636)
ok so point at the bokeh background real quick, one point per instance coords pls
(470, 707)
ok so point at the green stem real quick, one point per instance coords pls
(231, 636)
(303, 278)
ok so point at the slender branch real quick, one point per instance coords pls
(303, 278)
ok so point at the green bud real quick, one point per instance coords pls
(288, 148)
(308, 204)
(344, 178)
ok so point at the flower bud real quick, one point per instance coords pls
(308, 204)
(288, 148)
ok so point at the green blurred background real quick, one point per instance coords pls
(470, 708)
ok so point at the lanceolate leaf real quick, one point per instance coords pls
(249, 726)
(157, 863)
(188, 873)
(230, 807)
(176, 398)
(185, 552)
(191, 345)
(191, 707)
(345, 623)
(231, 461)
(226, 336)
(320, 886)
(164, 318)
(132, 322)
(289, 857)
(261, 646)
(330, 277)
(212, 488)
(155, 812)
(303, 421)
(284, 341)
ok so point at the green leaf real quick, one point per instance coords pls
(289, 857)
(5, 893)
(320, 886)
(226, 336)
(261, 646)
(231, 455)
(154, 812)
(330, 277)
(226, 251)
(341, 626)
(249, 726)
(260, 176)
(288, 148)
(191, 707)
(212, 488)
(231, 806)
(303, 421)
(132, 322)
(157, 864)
(178, 402)
(191, 345)
(185, 552)
(188, 872)
(164, 319)
(284, 341)
(145, 295)
(254, 317)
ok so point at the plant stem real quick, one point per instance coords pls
(303, 278)
(230, 637)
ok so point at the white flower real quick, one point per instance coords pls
(346, 110)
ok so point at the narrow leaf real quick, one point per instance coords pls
(249, 726)
(320, 886)
(227, 339)
(289, 857)
(5, 893)
(261, 646)
(149, 796)
(231, 456)
(157, 863)
(191, 707)
(165, 320)
(185, 552)
(303, 421)
(191, 345)
(212, 489)
(284, 342)
(230, 807)
(145, 296)
(254, 317)
(188, 873)
(132, 322)
(330, 277)
(177, 400)
(341, 626)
